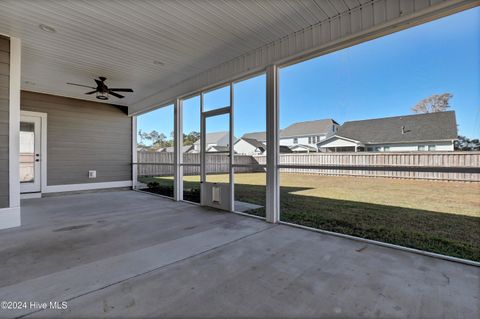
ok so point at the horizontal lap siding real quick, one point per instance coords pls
(4, 120)
(83, 136)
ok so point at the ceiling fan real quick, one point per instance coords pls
(103, 90)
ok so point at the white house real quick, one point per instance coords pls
(307, 133)
(301, 136)
(408, 133)
(213, 139)
(170, 149)
(249, 146)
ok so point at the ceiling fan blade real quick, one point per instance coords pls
(91, 92)
(115, 94)
(86, 86)
(121, 90)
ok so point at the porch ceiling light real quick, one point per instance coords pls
(102, 95)
(47, 28)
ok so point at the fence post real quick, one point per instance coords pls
(273, 194)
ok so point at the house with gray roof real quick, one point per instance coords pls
(249, 146)
(408, 133)
(212, 139)
(301, 136)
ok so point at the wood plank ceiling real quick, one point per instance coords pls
(121, 39)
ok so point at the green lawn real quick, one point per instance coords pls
(442, 217)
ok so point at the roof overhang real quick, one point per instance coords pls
(369, 20)
(169, 50)
(338, 137)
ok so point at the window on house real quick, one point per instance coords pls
(378, 148)
(421, 148)
(431, 148)
(369, 149)
(386, 148)
(310, 140)
(295, 140)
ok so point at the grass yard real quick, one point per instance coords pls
(441, 217)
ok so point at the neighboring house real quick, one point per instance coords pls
(218, 149)
(409, 133)
(301, 136)
(249, 146)
(259, 136)
(170, 149)
(307, 133)
(213, 139)
(300, 148)
(284, 149)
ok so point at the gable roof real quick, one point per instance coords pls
(419, 127)
(308, 128)
(259, 136)
(252, 142)
(213, 138)
(303, 147)
(218, 148)
(170, 149)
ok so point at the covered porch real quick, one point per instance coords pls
(127, 253)
(103, 225)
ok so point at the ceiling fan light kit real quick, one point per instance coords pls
(102, 90)
(102, 96)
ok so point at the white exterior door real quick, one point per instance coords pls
(30, 154)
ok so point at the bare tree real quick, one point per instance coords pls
(434, 103)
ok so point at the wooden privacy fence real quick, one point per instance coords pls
(161, 164)
(453, 166)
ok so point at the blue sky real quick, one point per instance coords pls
(378, 78)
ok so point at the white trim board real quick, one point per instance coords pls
(30, 195)
(10, 217)
(14, 124)
(86, 186)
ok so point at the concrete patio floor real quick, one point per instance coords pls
(129, 254)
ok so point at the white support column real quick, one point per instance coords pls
(178, 156)
(202, 143)
(10, 216)
(273, 150)
(232, 152)
(134, 153)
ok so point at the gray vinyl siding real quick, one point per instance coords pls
(4, 120)
(83, 136)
